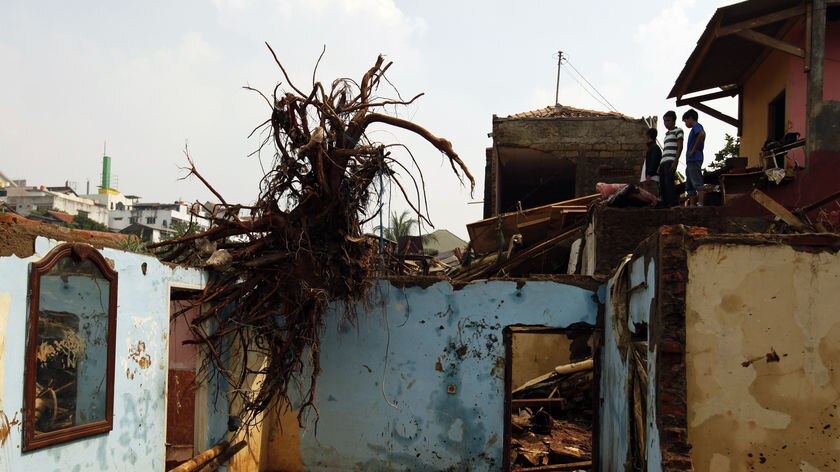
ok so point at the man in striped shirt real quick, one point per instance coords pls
(671, 150)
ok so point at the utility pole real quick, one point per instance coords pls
(557, 89)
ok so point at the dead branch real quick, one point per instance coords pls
(300, 248)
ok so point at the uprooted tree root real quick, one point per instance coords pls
(301, 247)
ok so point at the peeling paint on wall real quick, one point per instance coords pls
(5, 302)
(137, 441)
(417, 383)
(743, 303)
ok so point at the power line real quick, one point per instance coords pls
(610, 105)
(587, 90)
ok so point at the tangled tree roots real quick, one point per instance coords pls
(301, 248)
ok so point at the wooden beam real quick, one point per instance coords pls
(526, 402)
(777, 209)
(714, 113)
(710, 96)
(760, 21)
(765, 53)
(202, 459)
(695, 64)
(761, 38)
(567, 466)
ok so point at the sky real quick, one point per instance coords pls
(150, 78)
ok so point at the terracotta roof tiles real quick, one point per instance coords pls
(562, 111)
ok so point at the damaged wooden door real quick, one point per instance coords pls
(183, 438)
(548, 398)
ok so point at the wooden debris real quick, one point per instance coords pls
(202, 459)
(553, 411)
(483, 234)
(777, 209)
(585, 465)
(574, 367)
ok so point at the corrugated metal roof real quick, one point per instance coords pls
(719, 61)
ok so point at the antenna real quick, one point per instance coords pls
(557, 89)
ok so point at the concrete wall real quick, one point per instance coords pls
(744, 302)
(140, 381)
(418, 382)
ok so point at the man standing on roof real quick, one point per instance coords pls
(653, 156)
(673, 146)
(694, 158)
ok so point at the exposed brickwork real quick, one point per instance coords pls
(17, 235)
(574, 152)
(620, 230)
(668, 334)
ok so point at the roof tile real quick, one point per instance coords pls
(562, 111)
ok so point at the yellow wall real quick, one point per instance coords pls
(742, 303)
(535, 354)
(760, 89)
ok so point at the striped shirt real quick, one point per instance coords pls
(669, 150)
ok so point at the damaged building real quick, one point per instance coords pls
(584, 332)
(558, 153)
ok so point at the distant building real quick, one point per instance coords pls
(39, 200)
(154, 221)
(148, 233)
(108, 206)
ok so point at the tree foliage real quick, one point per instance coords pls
(732, 148)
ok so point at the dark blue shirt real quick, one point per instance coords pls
(692, 137)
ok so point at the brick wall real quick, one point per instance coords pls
(667, 335)
(606, 149)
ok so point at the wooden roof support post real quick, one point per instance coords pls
(815, 75)
(711, 112)
(809, 14)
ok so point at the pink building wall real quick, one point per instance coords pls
(796, 93)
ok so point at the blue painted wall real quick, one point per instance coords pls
(614, 422)
(137, 440)
(417, 382)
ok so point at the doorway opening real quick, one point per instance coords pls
(549, 392)
(185, 396)
(776, 119)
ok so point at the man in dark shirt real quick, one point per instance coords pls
(653, 156)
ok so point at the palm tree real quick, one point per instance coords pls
(401, 225)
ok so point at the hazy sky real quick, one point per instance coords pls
(150, 76)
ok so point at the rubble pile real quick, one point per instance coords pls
(551, 420)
